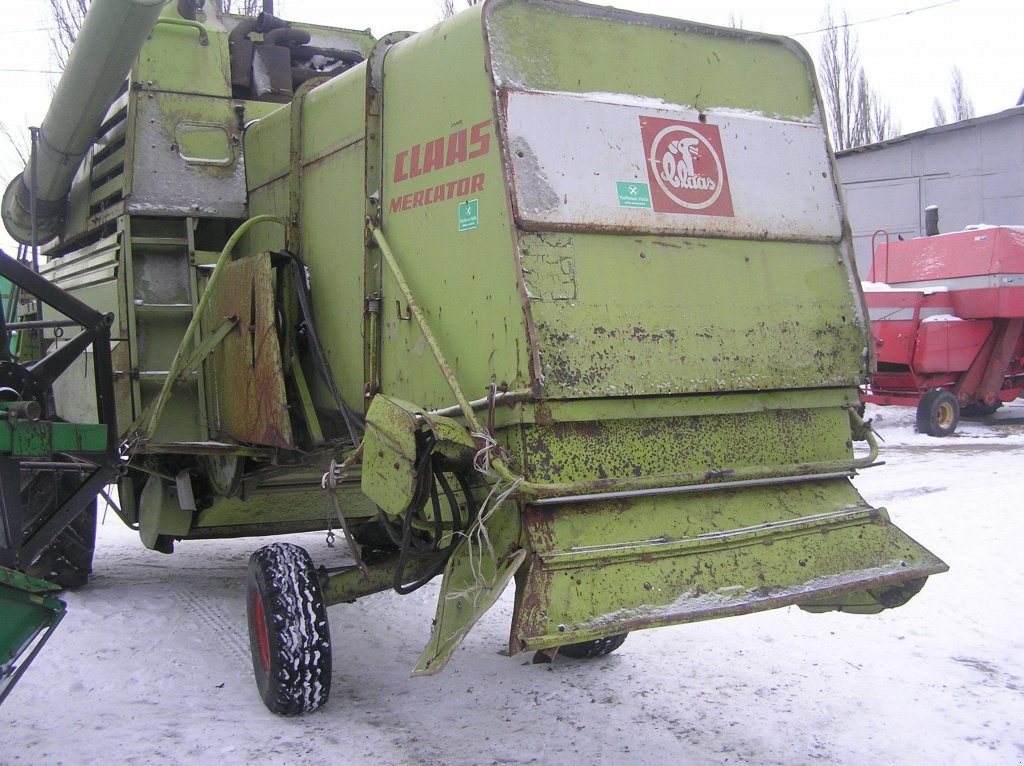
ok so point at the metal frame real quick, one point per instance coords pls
(15, 549)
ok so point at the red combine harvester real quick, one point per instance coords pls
(947, 314)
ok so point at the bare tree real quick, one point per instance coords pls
(856, 113)
(18, 140)
(242, 7)
(839, 64)
(736, 22)
(963, 107)
(448, 7)
(69, 14)
(883, 125)
(67, 17)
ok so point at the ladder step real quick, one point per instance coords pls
(139, 303)
(159, 242)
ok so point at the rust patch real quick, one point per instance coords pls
(250, 378)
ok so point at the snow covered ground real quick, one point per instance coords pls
(151, 666)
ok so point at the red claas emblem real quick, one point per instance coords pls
(685, 167)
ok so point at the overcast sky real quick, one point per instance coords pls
(907, 47)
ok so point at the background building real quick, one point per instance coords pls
(973, 170)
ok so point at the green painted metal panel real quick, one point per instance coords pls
(715, 444)
(559, 46)
(30, 612)
(332, 165)
(684, 406)
(620, 316)
(389, 475)
(197, 69)
(643, 562)
(333, 189)
(441, 150)
(295, 505)
(266, 149)
(7, 296)
(335, 115)
(25, 438)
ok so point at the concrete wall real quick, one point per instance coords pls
(973, 170)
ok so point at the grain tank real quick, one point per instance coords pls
(548, 293)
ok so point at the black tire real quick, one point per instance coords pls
(585, 650)
(938, 413)
(289, 635)
(980, 410)
(67, 561)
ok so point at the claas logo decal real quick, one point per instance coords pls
(686, 167)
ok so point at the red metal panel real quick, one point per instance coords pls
(994, 250)
(997, 301)
(894, 340)
(949, 346)
(895, 315)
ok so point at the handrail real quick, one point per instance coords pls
(204, 39)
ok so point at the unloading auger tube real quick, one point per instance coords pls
(107, 45)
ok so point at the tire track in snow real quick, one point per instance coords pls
(227, 624)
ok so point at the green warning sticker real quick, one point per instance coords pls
(469, 215)
(633, 194)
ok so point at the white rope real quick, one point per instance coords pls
(482, 458)
(478, 542)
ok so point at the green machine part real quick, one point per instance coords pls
(602, 216)
(30, 615)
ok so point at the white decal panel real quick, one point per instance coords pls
(580, 162)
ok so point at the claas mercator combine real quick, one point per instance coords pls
(549, 293)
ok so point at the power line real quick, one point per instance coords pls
(21, 31)
(880, 18)
(32, 71)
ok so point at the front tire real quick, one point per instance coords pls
(938, 413)
(67, 561)
(289, 636)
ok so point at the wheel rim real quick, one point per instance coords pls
(262, 639)
(944, 415)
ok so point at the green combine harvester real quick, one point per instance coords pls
(548, 293)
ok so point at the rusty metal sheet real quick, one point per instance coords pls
(249, 378)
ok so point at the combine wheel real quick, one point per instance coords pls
(289, 636)
(979, 409)
(585, 650)
(937, 413)
(67, 561)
